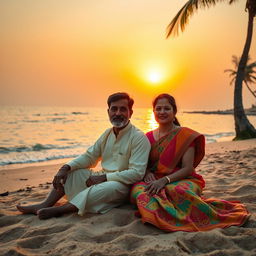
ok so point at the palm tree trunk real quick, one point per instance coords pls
(243, 128)
(251, 91)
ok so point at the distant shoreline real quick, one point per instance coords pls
(249, 112)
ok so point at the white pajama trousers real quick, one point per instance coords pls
(98, 198)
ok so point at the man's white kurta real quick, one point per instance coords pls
(124, 160)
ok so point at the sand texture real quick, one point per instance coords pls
(229, 169)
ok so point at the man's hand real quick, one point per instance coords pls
(61, 177)
(95, 179)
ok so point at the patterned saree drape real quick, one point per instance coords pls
(179, 205)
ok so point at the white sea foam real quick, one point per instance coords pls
(33, 134)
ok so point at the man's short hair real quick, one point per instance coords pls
(120, 96)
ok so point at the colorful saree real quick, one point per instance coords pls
(179, 205)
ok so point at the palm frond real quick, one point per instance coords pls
(235, 60)
(252, 79)
(249, 77)
(232, 1)
(232, 80)
(181, 19)
(251, 65)
(229, 70)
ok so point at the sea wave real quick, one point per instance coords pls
(48, 120)
(62, 114)
(37, 159)
(36, 147)
(217, 136)
(38, 134)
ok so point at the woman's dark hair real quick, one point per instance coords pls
(120, 96)
(171, 100)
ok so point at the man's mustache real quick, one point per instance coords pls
(118, 118)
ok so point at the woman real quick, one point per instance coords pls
(169, 197)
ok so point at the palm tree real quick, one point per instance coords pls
(243, 128)
(249, 77)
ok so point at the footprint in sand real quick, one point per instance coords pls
(9, 220)
(12, 234)
(207, 242)
(13, 252)
(246, 242)
(34, 242)
(235, 231)
(138, 228)
(107, 237)
(244, 190)
(129, 242)
(251, 199)
(47, 231)
(100, 254)
(164, 252)
(123, 218)
(251, 222)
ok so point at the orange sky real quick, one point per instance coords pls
(75, 53)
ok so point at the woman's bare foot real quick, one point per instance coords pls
(30, 208)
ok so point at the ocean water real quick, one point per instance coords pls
(39, 134)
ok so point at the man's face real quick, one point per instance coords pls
(119, 113)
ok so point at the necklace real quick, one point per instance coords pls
(165, 133)
(159, 141)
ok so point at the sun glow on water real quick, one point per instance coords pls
(152, 124)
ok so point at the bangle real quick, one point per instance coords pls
(169, 180)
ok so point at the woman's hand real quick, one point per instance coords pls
(155, 186)
(61, 177)
(149, 177)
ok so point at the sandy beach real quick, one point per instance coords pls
(229, 169)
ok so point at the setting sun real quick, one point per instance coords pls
(155, 76)
(156, 73)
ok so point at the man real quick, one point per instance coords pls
(123, 151)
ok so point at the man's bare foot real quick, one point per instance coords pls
(30, 208)
(49, 212)
(56, 211)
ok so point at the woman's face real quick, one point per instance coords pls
(163, 112)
